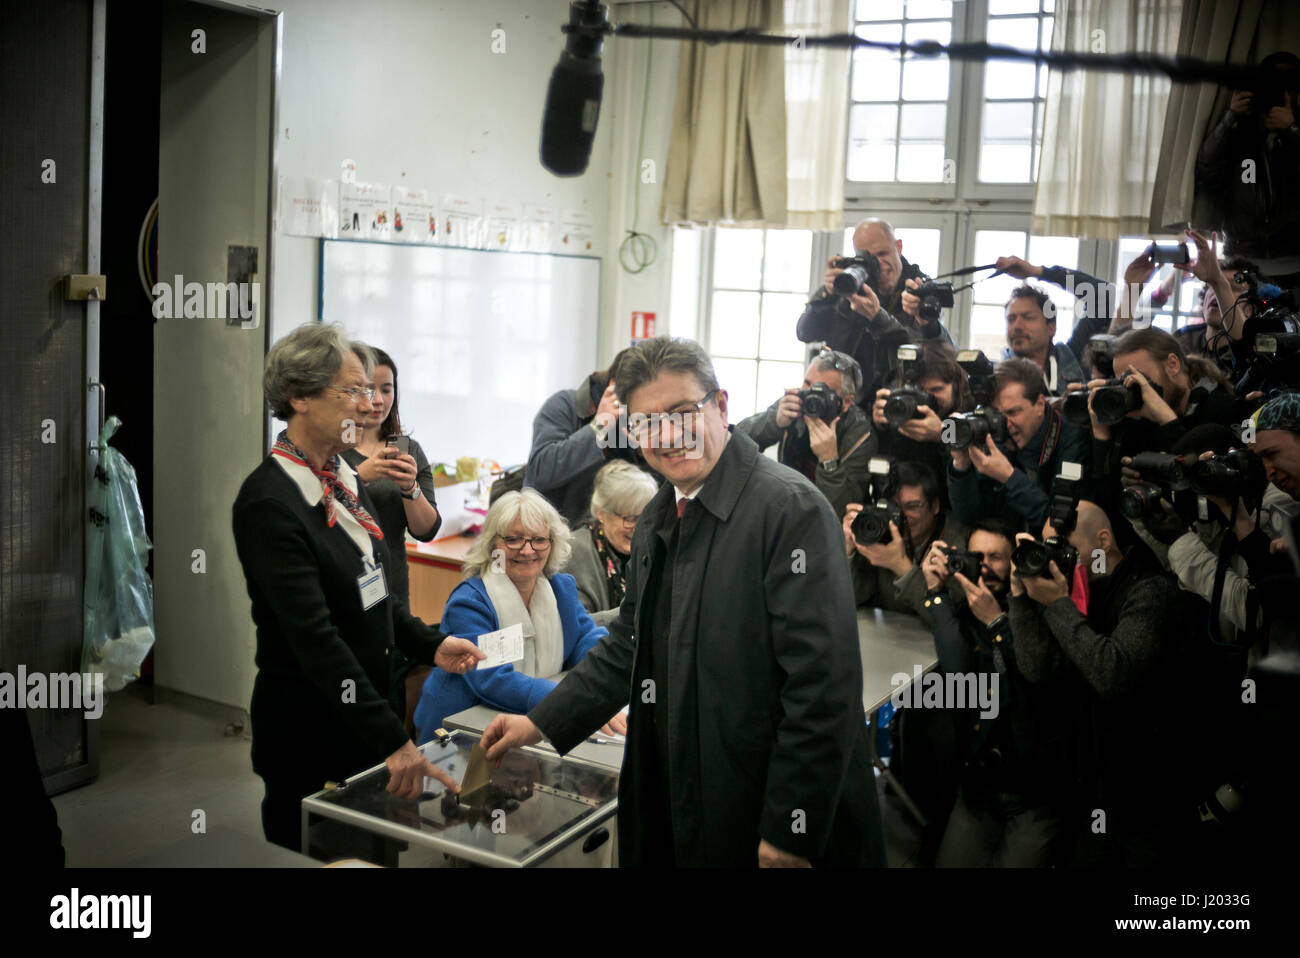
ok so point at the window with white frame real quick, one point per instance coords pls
(1011, 121)
(987, 329)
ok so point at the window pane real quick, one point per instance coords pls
(988, 330)
(848, 249)
(989, 245)
(1004, 164)
(928, 9)
(734, 329)
(1007, 79)
(1042, 81)
(1008, 121)
(737, 258)
(941, 32)
(924, 121)
(875, 76)
(1054, 251)
(920, 246)
(880, 9)
(871, 142)
(1045, 33)
(925, 78)
(1021, 33)
(920, 162)
(786, 263)
(780, 314)
(774, 379)
(998, 7)
(736, 376)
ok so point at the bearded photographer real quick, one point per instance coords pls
(885, 573)
(868, 324)
(983, 481)
(1003, 815)
(1112, 627)
(919, 439)
(833, 449)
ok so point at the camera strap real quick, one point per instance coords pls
(1052, 438)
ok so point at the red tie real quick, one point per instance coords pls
(681, 507)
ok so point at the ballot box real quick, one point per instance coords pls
(536, 809)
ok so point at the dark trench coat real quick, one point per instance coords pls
(766, 730)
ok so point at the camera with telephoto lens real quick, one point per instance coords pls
(1162, 475)
(1113, 401)
(859, 271)
(1031, 558)
(979, 373)
(1230, 475)
(934, 297)
(963, 561)
(871, 525)
(1162, 467)
(1142, 500)
(965, 429)
(820, 402)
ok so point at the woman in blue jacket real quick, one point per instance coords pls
(511, 578)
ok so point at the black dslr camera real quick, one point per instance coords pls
(859, 271)
(979, 372)
(1032, 558)
(1231, 475)
(1161, 475)
(1102, 349)
(820, 401)
(871, 525)
(1269, 348)
(965, 429)
(934, 297)
(1111, 402)
(903, 404)
(965, 562)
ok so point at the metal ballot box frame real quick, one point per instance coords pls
(543, 809)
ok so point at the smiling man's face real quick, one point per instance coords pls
(685, 445)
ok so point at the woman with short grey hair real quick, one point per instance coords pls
(315, 562)
(602, 544)
(512, 578)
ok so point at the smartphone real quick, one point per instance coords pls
(403, 444)
(1174, 253)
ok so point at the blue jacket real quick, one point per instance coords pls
(469, 614)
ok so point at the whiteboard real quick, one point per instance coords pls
(481, 338)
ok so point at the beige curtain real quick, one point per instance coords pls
(1101, 131)
(815, 78)
(727, 152)
(1222, 31)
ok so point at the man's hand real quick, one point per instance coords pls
(934, 567)
(1240, 102)
(1046, 591)
(821, 437)
(1100, 430)
(458, 656)
(788, 409)
(1016, 583)
(407, 770)
(865, 303)
(617, 725)
(981, 601)
(910, 302)
(769, 856)
(929, 428)
(1017, 267)
(507, 732)
(607, 411)
(888, 555)
(831, 272)
(1139, 272)
(960, 458)
(991, 462)
(1206, 268)
(878, 409)
(1153, 405)
(850, 513)
(1279, 118)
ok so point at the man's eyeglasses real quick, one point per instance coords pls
(355, 393)
(515, 543)
(684, 415)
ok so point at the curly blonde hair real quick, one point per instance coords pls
(532, 509)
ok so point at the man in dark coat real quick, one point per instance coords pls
(737, 644)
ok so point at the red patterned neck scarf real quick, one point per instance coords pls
(331, 486)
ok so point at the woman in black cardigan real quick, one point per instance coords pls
(315, 562)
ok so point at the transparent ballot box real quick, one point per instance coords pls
(538, 808)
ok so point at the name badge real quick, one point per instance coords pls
(373, 587)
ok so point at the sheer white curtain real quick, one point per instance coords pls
(816, 88)
(1102, 131)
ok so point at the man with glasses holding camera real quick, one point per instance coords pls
(737, 637)
(820, 431)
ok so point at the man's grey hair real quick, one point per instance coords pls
(663, 354)
(538, 517)
(621, 489)
(848, 368)
(304, 362)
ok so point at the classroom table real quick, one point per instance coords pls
(434, 569)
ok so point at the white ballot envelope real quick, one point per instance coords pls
(502, 646)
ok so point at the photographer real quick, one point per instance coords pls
(1031, 331)
(885, 574)
(1259, 214)
(869, 324)
(948, 390)
(997, 486)
(832, 453)
(1113, 625)
(1003, 815)
(1094, 297)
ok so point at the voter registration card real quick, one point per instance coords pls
(373, 586)
(502, 646)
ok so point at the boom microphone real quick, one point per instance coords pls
(573, 97)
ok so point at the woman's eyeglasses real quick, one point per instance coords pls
(515, 543)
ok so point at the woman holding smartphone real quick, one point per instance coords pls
(396, 473)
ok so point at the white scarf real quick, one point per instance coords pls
(309, 485)
(543, 633)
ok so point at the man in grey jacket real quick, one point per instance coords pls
(737, 640)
